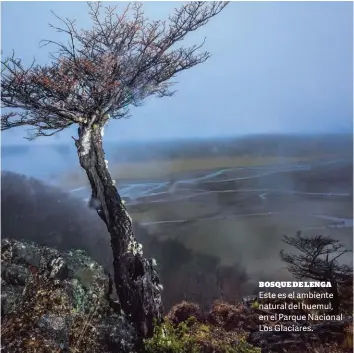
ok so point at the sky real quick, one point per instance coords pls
(276, 67)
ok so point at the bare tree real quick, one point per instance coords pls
(97, 76)
(317, 258)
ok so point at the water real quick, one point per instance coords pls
(135, 190)
(46, 162)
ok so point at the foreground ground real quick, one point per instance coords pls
(63, 302)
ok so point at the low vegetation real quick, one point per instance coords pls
(185, 330)
(230, 328)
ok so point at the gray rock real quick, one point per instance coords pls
(119, 333)
(59, 301)
(10, 298)
(58, 268)
(14, 274)
(55, 326)
(249, 300)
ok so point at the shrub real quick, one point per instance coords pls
(232, 317)
(183, 311)
(193, 336)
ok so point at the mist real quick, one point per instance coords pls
(209, 211)
(256, 143)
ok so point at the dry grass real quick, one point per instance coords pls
(20, 331)
(233, 322)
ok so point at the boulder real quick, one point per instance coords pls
(54, 301)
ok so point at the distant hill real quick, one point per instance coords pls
(252, 145)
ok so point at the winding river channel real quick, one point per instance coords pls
(189, 188)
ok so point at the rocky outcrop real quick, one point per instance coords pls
(64, 302)
(59, 302)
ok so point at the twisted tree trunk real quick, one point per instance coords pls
(136, 281)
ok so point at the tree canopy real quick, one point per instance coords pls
(316, 258)
(101, 71)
